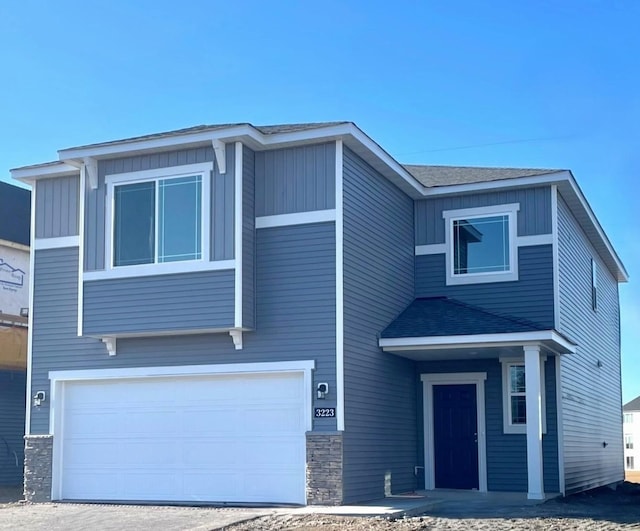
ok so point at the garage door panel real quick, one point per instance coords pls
(229, 438)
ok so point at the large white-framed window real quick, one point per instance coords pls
(158, 221)
(514, 398)
(481, 244)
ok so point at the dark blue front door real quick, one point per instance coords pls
(455, 436)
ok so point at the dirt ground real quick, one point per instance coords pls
(597, 510)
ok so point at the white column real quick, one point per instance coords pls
(534, 422)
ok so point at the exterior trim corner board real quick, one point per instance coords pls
(237, 248)
(339, 227)
(429, 381)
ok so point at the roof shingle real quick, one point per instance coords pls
(442, 316)
(432, 176)
(634, 405)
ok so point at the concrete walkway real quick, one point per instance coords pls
(78, 517)
(437, 502)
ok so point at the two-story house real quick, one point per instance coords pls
(14, 306)
(631, 434)
(234, 313)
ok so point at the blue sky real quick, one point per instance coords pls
(499, 83)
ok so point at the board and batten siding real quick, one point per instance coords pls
(222, 193)
(13, 388)
(591, 394)
(248, 239)
(530, 297)
(297, 179)
(57, 207)
(161, 303)
(295, 303)
(506, 452)
(380, 449)
(534, 216)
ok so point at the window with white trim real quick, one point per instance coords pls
(628, 418)
(514, 403)
(159, 219)
(628, 442)
(481, 244)
(630, 464)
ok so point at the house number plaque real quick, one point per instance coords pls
(324, 412)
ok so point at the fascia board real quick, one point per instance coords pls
(475, 340)
(28, 174)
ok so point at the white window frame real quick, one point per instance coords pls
(628, 441)
(509, 210)
(204, 170)
(629, 462)
(628, 418)
(507, 426)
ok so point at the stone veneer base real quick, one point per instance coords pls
(324, 468)
(38, 453)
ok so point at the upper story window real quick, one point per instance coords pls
(628, 418)
(628, 442)
(481, 244)
(159, 218)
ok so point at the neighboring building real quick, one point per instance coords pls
(286, 314)
(631, 435)
(14, 305)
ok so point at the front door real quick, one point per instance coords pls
(455, 436)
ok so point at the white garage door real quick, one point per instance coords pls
(223, 438)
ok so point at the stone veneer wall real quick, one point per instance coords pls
(324, 468)
(38, 453)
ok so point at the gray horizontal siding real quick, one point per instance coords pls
(534, 216)
(222, 189)
(530, 297)
(57, 207)
(506, 453)
(184, 301)
(591, 395)
(299, 179)
(248, 240)
(295, 313)
(13, 388)
(380, 415)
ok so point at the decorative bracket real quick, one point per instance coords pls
(90, 168)
(110, 343)
(236, 335)
(221, 154)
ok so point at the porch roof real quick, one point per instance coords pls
(445, 324)
(442, 316)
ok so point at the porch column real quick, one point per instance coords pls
(534, 422)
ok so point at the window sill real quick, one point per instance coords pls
(510, 276)
(169, 268)
(521, 429)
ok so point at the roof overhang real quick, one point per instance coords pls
(573, 196)
(477, 345)
(72, 159)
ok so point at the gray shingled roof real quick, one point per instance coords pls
(265, 129)
(432, 176)
(15, 214)
(634, 405)
(442, 316)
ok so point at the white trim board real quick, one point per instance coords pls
(339, 227)
(468, 341)
(32, 262)
(297, 218)
(167, 268)
(428, 382)
(56, 243)
(237, 231)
